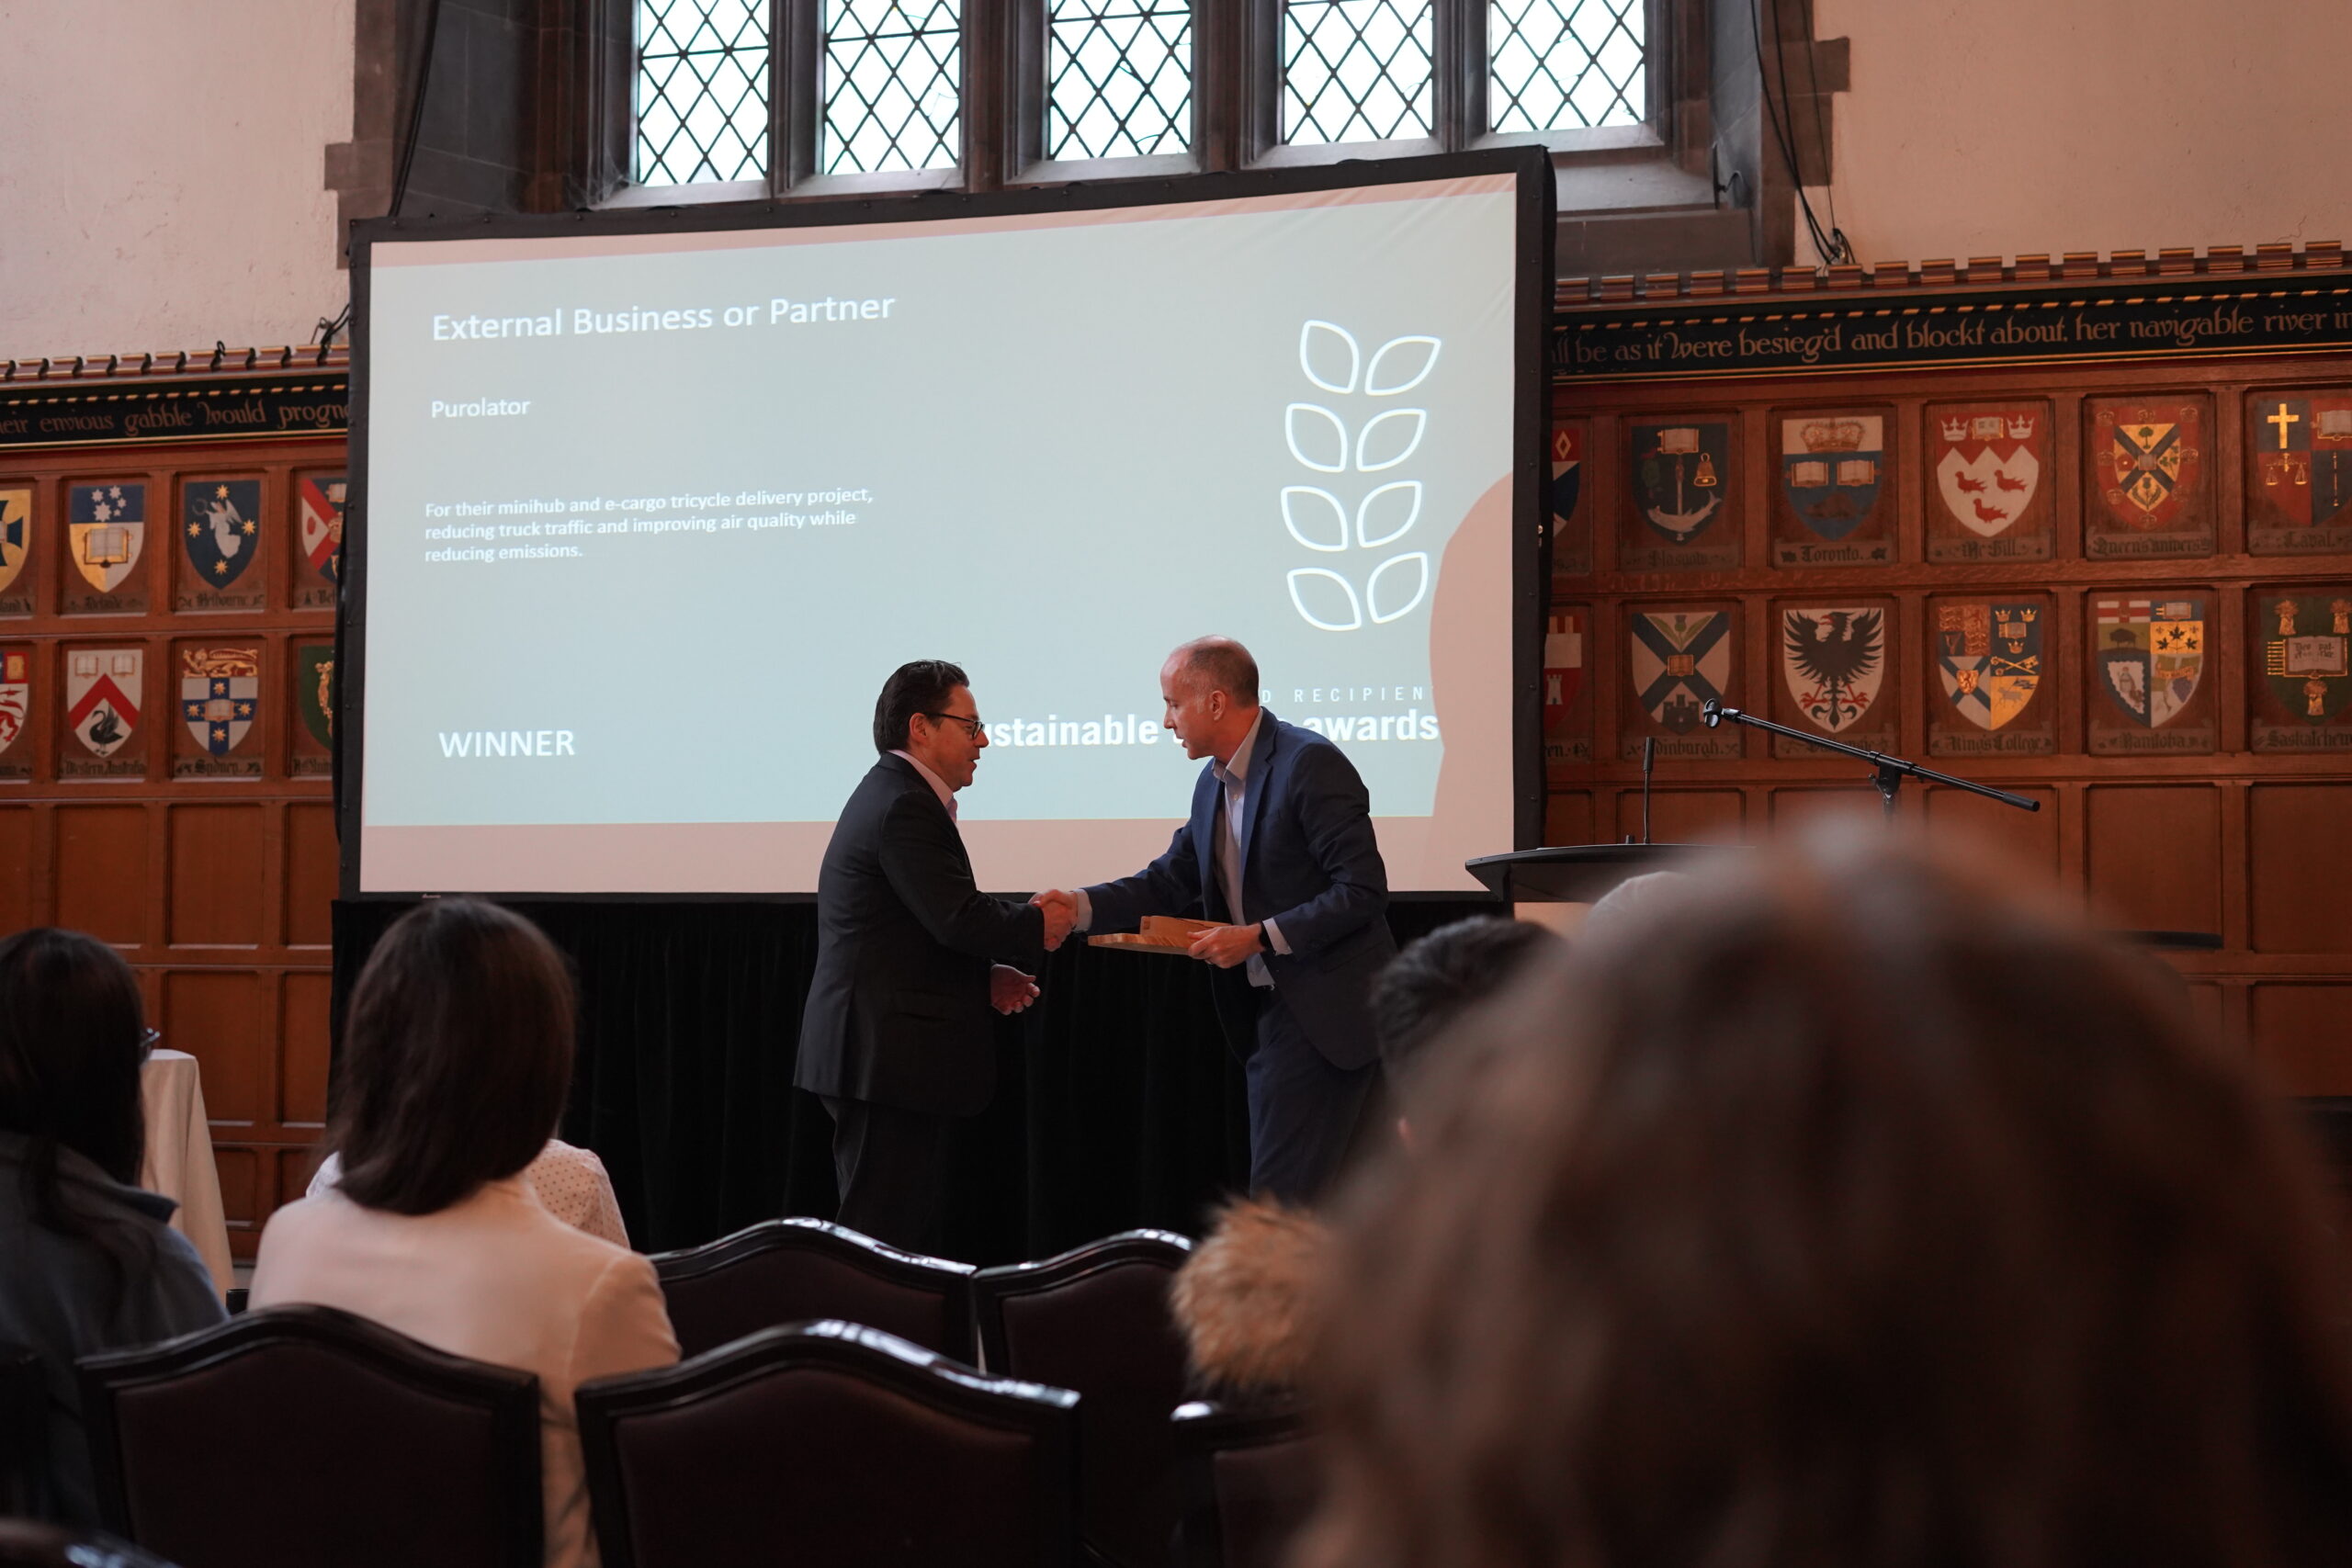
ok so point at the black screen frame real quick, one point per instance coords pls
(1531, 409)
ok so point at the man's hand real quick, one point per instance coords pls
(1061, 914)
(1225, 946)
(1009, 990)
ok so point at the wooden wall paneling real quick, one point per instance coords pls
(19, 905)
(1969, 824)
(1567, 816)
(1684, 816)
(218, 890)
(222, 1018)
(309, 880)
(303, 1053)
(2300, 834)
(2155, 855)
(102, 879)
(2254, 846)
(218, 874)
(2299, 1033)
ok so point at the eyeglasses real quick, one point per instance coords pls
(972, 726)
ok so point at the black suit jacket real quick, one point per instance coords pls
(898, 1011)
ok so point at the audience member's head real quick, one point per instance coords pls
(457, 1056)
(1631, 898)
(1439, 977)
(1840, 1212)
(72, 1040)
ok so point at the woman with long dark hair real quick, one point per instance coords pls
(87, 1261)
(457, 1061)
(1841, 1212)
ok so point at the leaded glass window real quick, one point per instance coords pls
(1119, 78)
(1357, 70)
(1562, 65)
(894, 81)
(702, 91)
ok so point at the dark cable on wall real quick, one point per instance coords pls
(416, 106)
(1831, 244)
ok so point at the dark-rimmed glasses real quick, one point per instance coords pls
(972, 726)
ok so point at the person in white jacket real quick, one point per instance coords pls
(456, 1063)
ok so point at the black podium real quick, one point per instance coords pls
(1580, 873)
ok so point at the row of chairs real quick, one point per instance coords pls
(305, 1435)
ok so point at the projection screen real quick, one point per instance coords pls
(647, 507)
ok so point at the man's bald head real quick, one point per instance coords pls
(1210, 686)
(1209, 664)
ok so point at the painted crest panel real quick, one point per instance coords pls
(105, 732)
(310, 739)
(1834, 677)
(16, 549)
(1567, 686)
(2147, 671)
(16, 699)
(220, 542)
(1989, 481)
(2148, 485)
(1676, 657)
(105, 545)
(2299, 472)
(219, 697)
(1988, 672)
(1681, 495)
(317, 537)
(1834, 491)
(2302, 669)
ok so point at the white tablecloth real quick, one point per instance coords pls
(179, 1158)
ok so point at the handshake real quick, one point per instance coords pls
(1061, 915)
(1224, 946)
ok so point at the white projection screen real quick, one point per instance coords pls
(647, 506)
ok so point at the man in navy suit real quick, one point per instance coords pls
(1279, 844)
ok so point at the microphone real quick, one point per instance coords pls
(1649, 760)
(1714, 712)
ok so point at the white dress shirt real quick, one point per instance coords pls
(1226, 853)
(493, 1277)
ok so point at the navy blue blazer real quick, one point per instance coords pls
(1309, 862)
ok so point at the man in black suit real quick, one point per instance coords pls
(1279, 844)
(910, 955)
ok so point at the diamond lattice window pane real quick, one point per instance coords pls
(894, 75)
(1120, 75)
(702, 91)
(1357, 70)
(1561, 64)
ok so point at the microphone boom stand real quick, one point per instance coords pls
(1887, 773)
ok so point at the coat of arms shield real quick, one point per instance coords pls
(102, 696)
(16, 694)
(16, 532)
(1830, 469)
(1681, 659)
(2151, 655)
(1989, 656)
(1988, 464)
(320, 500)
(2149, 456)
(220, 693)
(1678, 473)
(105, 529)
(2307, 653)
(1834, 660)
(220, 525)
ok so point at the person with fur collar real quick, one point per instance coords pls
(1246, 1302)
